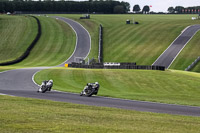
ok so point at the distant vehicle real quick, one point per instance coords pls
(90, 89)
(8, 13)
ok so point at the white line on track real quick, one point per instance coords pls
(76, 37)
(1, 94)
(182, 49)
(74, 49)
(171, 44)
(76, 42)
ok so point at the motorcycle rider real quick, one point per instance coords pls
(49, 84)
(46, 84)
(91, 86)
(96, 87)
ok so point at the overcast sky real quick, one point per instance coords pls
(161, 5)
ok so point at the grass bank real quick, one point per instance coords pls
(175, 87)
(17, 33)
(56, 44)
(42, 116)
(188, 55)
(141, 43)
(93, 29)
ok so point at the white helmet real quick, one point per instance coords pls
(96, 83)
(51, 80)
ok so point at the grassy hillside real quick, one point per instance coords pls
(167, 87)
(16, 34)
(55, 46)
(141, 43)
(42, 116)
(93, 29)
(196, 68)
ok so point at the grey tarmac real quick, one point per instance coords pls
(170, 54)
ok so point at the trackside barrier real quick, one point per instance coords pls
(66, 65)
(124, 66)
(28, 50)
(100, 56)
(193, 64)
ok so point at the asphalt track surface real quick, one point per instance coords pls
(170, 54)
(20, 83)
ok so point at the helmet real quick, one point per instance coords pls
(51, 80)
(96, 83)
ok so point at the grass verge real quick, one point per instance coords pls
(42, 116)
(93, 28)
(188, 55)
(171, 86)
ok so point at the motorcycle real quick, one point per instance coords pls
(90, 89)
(46, 86)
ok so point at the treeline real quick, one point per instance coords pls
(90, 6)
(183, 10)
(137, 9)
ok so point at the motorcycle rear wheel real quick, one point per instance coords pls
(90, 92)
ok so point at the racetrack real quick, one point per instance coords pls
(19, 82)
(170, 54)
(83, 42)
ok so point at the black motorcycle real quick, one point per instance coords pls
(90, 89)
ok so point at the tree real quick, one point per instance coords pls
(126, 6)
(178, 9)
(171, 9)
(118, 9)
(136, 8)
(145, 9)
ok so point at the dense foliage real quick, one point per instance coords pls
(65, 6)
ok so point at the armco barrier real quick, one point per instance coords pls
(193, 64)
(128, 66)
(100, 56)
(28, 50)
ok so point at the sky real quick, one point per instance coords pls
(161, 5)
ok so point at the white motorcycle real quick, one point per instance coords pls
(90, 89)
(46, 86)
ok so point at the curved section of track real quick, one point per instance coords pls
(19, 83)
(170, 54)
(83, 41)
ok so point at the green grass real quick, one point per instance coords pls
(188, 55)
(196, 68)
(175, 87)
(42, 116)
(16, 34)
(142, 43)
(4, 69)
(93, 29)
(55, 46)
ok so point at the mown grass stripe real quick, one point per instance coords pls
(166, 87)
(16, 36)
(55, 45)
(31, 115)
